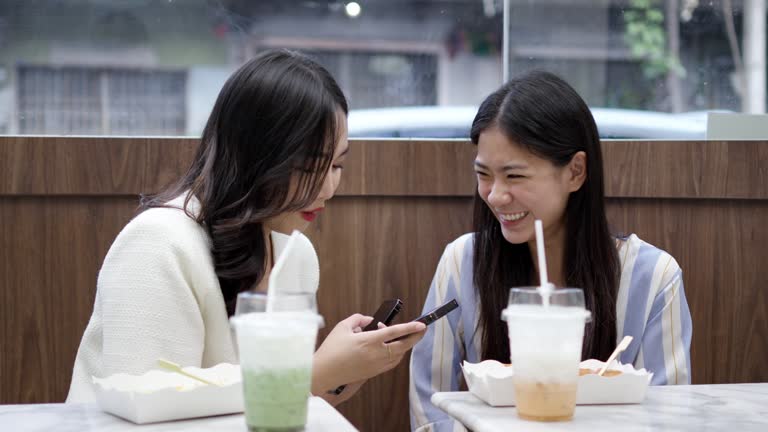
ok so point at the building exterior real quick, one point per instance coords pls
(151, 67)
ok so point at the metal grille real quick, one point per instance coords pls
(59, 101)
(147, 103)
(76, 100)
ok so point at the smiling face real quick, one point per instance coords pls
(300, 220)
(519, 187)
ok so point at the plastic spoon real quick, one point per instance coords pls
(619, 349)
(174, 367)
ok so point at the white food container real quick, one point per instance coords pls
(491, 381)
(162, 396)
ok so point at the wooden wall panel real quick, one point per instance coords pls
(51, 252)
(72, 166)
(693, 169)
(409, 167)
(167, 160)
(719, 246)
(372, 250)
(63, 200)
(131, 166)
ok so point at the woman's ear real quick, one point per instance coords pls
(577, 171)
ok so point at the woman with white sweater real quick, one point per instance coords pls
(271, 155)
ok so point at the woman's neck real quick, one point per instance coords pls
(554, 245)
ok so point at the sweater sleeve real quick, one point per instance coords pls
(149, 308)
(435, 360)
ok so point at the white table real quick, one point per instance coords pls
(723, 407)
(322, 417)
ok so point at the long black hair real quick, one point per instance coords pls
(543, 114)
(276, 118)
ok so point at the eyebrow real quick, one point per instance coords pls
(508, 167)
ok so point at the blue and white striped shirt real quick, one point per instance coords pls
(651, 307)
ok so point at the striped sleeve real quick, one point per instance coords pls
(435, 360)
(666, 342)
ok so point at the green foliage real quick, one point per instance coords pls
(647, 40)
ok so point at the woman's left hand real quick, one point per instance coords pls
(348, 356)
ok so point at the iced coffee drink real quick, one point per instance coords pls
(545, 346)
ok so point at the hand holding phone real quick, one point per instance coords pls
(385, 314)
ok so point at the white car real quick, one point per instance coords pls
(455, 122)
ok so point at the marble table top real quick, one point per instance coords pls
(722, 407)
(86, 417)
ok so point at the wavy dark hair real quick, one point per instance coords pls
(276, 118)
(543, 114)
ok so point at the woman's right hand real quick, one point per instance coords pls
(348, 355)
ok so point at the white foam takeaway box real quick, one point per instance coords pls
(162, 396)
(491, 381)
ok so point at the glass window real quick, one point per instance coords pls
(382, 79)
(95, 101)
(409, 67)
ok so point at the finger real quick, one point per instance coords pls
(382, 325)
(402, 346)
(356, 320)
(363, 323)
(396, 331)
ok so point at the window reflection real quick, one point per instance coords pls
(154, 67)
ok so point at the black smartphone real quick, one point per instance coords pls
(438, 312)
(385, 314)
(434, 315)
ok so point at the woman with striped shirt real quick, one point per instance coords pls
(538, 157)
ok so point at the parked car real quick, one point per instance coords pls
(455, 122)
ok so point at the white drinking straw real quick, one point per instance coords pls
(545, 287)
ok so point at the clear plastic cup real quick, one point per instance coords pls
(254, 301)
(276, 352)
(250, 301)
(545, 346)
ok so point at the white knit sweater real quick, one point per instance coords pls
(157, 297)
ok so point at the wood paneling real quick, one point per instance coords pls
(131, 166)
(63, 200)
(372, 250)
(167, 160)
(686, 169)
(409, 168)
(51, 252)
(67, 166)
(720, 248)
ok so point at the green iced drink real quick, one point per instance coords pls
(276, 351)
(276, 399)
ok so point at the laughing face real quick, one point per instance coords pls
(519, 187)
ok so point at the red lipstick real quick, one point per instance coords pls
(311, 215)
